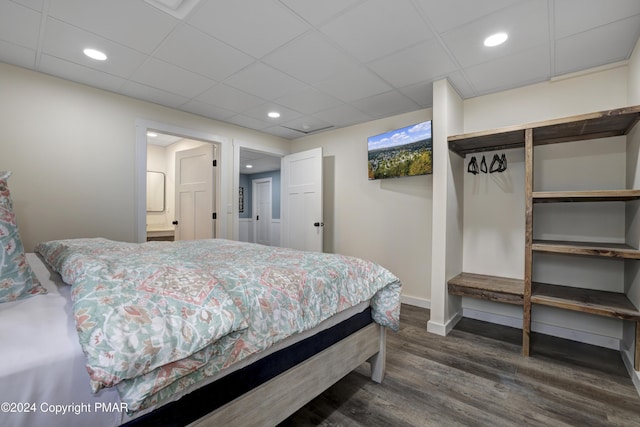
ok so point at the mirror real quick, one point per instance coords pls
(155, 191)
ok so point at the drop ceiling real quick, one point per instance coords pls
(321, 64)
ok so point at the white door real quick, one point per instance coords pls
(195, 202)
(302, 200)
(261, 206)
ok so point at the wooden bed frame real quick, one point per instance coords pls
(278, 398)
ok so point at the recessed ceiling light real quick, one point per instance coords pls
(152, 134)
(248, 166)
(95, 54)
(495, 39)
(273, 114)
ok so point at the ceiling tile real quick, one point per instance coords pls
(593, 13)
(376, 28)
(229, 98)
(421, 93)
(575, 53)
(261, 112)
(17, 55)
(248, 122)
(307, 125)
(204, 55)
(130, 23)
(282, 132)
(343, 115)
(170, 78)
(317, 12)
(32, 4)
(523, 68)
(450, 14)
(152, 94)
(256, 27)
(263, 81)
(526, 23)
(78, 73)
(67, 42)
(207, 110)
(426, 61)
(309, 58)
(355, 83)
(386, 104)
(308, 100)
(462, 85)
(19, 25)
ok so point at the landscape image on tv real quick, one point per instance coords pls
(401, 152)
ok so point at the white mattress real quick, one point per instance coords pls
(42, 367)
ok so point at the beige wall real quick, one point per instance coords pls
(387, 221)
(72, 152)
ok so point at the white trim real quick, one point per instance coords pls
(140, 188)
(556, 331)
(444, 329)
(415, 301)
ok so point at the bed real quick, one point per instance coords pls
(212, 332)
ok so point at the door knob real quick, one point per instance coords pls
(318, 224)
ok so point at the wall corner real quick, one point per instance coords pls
(448, 193)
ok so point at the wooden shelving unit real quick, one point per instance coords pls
(523, 291)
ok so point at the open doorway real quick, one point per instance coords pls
(259, 189)
(188, 211)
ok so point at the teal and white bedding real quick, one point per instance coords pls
(155, 318)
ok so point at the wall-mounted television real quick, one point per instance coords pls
(401, 152)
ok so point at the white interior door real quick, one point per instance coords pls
(261, 206)
(302, 200)
(194, 198)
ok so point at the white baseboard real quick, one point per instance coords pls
(556, 331)
(415, 301)
(443, 329)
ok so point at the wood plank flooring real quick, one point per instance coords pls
(476, 376)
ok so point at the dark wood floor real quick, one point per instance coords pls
(476, 376)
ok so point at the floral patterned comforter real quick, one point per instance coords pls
(154, 318)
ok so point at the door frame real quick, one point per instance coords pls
(237, 146)
(140, 186)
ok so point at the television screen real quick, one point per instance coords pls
(401, 152)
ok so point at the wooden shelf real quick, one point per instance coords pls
(602, 124)
(601, 303)
(492, 288)
(611, 250)
(585, 196)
